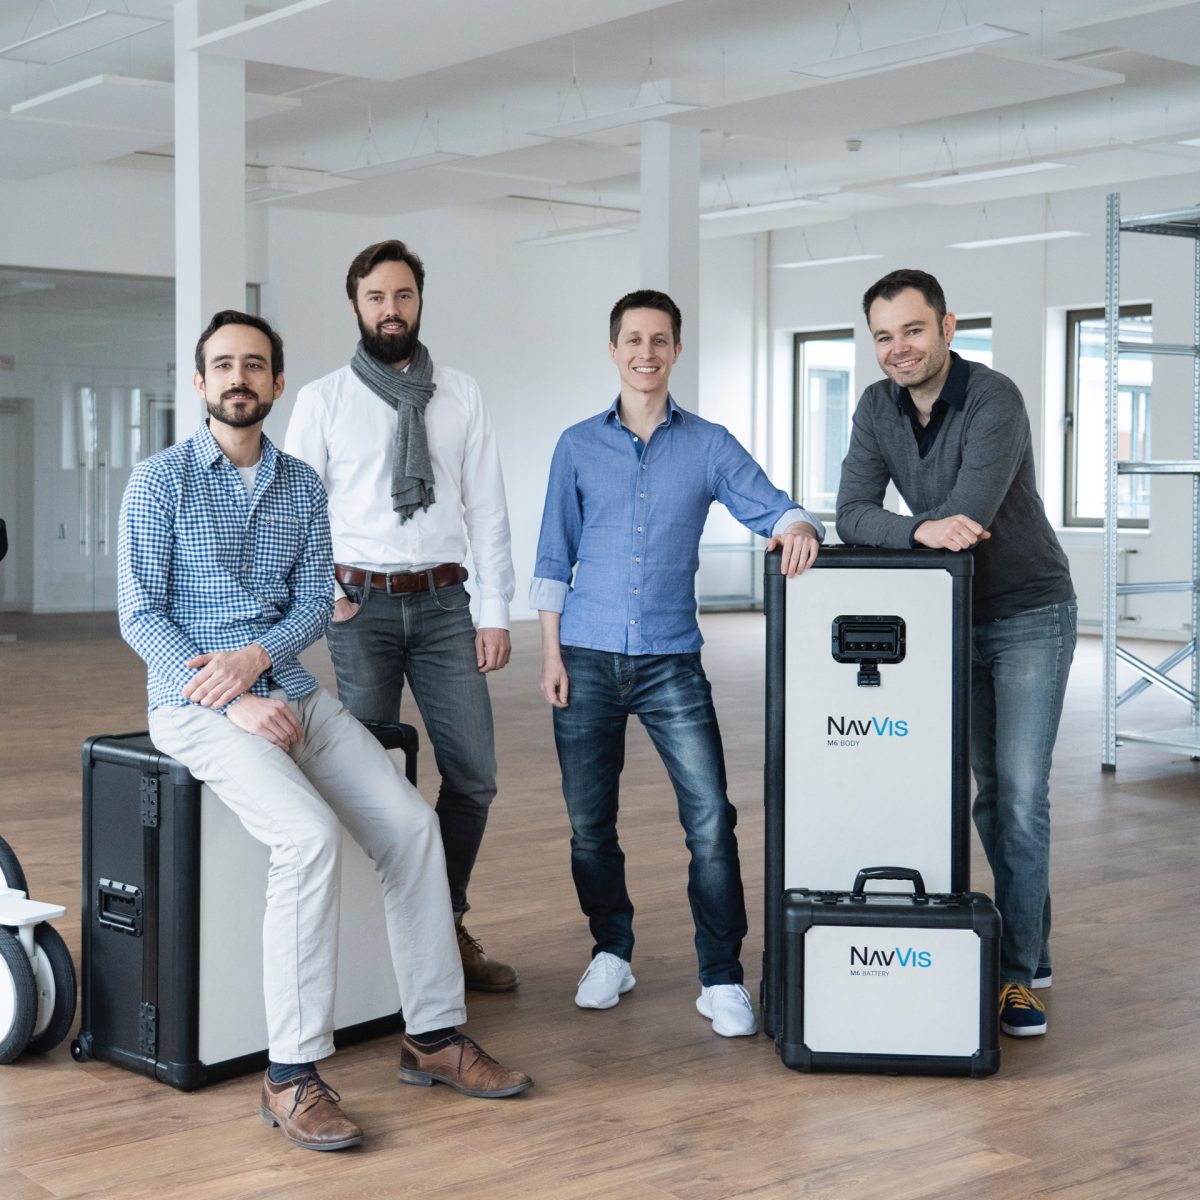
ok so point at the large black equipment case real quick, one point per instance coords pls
(885, 982)
(868, 687)
(173, 897)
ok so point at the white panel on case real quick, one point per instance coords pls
(233, 882)
(891, 991)
(868, 778)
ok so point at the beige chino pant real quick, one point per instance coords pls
(295, 803)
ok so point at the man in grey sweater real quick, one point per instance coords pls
(954, 437)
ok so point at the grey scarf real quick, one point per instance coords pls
(408, 392)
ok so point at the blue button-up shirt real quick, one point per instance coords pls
(202, 566)
(628, 527)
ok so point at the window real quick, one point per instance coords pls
(1084, 442)
(973, 339)
(824, 398)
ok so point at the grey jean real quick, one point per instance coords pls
(428, 639)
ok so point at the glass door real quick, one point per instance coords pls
(90, 359)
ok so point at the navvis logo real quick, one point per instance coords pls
(850, 727)
(865, 961)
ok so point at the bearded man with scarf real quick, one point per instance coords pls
(408, 457)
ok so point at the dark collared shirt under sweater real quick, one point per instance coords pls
(974, 457)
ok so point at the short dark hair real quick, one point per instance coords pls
(893, 283)
(365, 261)
(229, 316)
(645, 298)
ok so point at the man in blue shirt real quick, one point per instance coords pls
(225, 574)
(626, 503)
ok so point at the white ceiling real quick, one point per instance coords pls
(1103, 86)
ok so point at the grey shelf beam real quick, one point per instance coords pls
(1182, 349)
(1165, 467)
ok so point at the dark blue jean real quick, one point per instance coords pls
(1019, 675)
(428, 639)
(670, 695)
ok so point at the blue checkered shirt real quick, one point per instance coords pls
(202, 566)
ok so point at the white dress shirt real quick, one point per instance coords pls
(345, 432)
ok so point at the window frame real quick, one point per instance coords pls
(1074, 318)
(843, 333)
(966, 324)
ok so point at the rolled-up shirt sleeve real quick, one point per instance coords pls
(558, 541)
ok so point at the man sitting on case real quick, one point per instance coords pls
(225, 576)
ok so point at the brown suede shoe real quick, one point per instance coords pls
(306, 1109)
(460, 1063)
(480, 973)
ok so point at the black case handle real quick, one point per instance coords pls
(868, 873)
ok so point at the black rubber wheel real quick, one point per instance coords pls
(81, 1047)
(18, 997)
(11, 875)
(55, 980)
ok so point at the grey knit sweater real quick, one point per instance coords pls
(980, 465)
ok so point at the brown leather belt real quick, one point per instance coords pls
(443, 575)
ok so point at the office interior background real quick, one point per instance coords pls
(764, 161)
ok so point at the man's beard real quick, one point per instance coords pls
(250, 415)
(390, 347)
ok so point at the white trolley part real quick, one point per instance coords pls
(23, 916)
(19, 911)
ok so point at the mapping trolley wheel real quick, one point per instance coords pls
(54, 975)
(11, 875)
(18, 997)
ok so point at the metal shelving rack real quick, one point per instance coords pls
(1183, 223)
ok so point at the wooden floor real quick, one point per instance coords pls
(644, 1102)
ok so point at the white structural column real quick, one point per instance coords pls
(210, 189)
(670, 231)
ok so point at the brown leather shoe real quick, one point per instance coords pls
(306, 1109)
(480, 973)
(460, 1063)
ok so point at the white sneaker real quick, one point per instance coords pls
(727, 1006)
(605, 981)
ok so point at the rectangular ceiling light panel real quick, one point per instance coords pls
(951, 178)
(747, 210)
(395, 166)
(912, 50)
(825, 262)
(1049, 235)
(581, 234)
(125, 102)
(78, 37)
(614, 120)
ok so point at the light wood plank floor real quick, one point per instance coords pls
(643, 1101)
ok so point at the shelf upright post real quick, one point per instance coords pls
(1195, 631)
(1112, 328)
